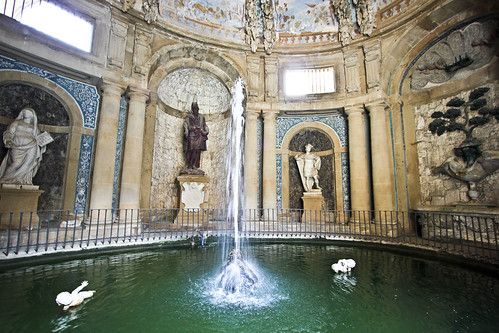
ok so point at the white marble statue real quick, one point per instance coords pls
(309, 165)
(26, 145)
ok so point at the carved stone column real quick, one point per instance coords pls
(132, 157)
(105, 150)
(250, 161)
(360, 187)
(269, 160)
(380, 151)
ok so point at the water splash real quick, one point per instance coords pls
(239, 281)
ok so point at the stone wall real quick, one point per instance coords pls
(433, 150)
(168, 160)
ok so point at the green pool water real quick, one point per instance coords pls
(168, 290)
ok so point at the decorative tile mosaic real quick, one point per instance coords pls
(85, 95)
(278, 163)
(259, 158)
(83, 175)
(337, 122)
(119, 151)
(345, 169)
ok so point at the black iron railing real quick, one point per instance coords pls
(26, 234)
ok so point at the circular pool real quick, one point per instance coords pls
(168, 290)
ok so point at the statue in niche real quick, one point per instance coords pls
(26, 145)
(309, 165)
(195, 137)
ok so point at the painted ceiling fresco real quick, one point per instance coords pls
(226, 17)
(216, 13)
(299, 16)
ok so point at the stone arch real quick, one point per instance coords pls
(337, 150)
(170, 58)
(163, 62)
(417, 40)
(74, 130)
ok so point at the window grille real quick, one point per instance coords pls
(307, 81)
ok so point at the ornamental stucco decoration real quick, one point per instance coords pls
(251, 24)
(365, 11)
(127, 4)
(465, 49)
(343, 13)
(260, 20)
(469, 163)
(151, 10)
(269, 26)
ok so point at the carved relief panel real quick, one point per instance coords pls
(117, 43)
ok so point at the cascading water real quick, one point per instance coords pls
(240, 281)
(237, 276)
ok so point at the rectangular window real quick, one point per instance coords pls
(52, 20)
(308, 81)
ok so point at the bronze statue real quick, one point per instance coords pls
(195, 136)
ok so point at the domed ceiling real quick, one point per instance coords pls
(234, 20)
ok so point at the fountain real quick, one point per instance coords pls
(237, 275)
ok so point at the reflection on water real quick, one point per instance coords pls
(67, 320)
(345, 281)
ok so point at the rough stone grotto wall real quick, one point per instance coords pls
(433, 150)
(168, 160)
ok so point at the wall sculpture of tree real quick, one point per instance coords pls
(465, 116)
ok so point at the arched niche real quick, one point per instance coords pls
(58, 171)
(163, 158)
(327, 145)
(466, 60)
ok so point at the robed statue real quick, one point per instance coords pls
(195, 137)
(26, 145)
(309, 165)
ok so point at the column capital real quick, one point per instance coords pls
(353, 110)
(270, 114)
(110, 87)
(252, 114)
(378, 105)
(140, 94)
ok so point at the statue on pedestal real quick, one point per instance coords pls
(195, 137)
(309, 165)
(26, 145)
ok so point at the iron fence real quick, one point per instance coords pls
(27, 234)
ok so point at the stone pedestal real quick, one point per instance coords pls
(313, 203)
(19, 199)
(193, 198)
